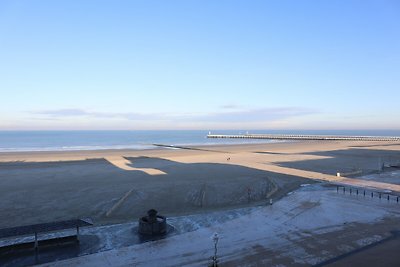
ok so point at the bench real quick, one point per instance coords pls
(36, 229)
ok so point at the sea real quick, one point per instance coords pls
(15, 141)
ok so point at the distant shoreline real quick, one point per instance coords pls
(136, 147)
(155, 151)
(47, 141)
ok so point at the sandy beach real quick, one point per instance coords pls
(113, 186)
(205, 188)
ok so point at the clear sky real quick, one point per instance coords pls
(199, 64)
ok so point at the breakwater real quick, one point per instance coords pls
(306, 137)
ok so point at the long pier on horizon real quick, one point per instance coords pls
(306, 137)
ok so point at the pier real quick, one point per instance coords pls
(306, 137)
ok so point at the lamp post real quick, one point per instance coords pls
(215, 239)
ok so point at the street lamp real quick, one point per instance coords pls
(215, 239)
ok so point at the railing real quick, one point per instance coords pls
(367, 193)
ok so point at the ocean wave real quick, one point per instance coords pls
(75, 148)
(32, 141)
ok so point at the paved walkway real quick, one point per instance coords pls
(312, 225)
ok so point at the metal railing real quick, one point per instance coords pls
(389, 196)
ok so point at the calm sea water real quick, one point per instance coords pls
(90, 140)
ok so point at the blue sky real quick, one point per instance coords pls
(71, 65)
